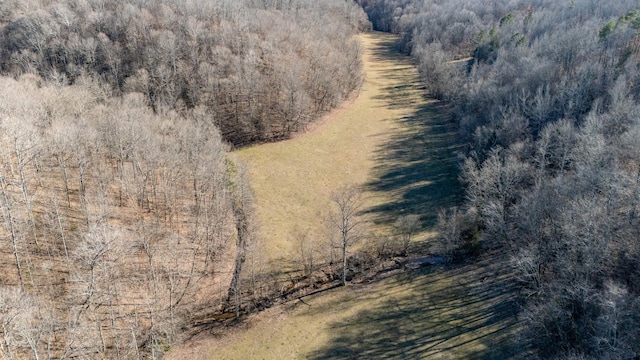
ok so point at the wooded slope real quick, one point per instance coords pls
(259, 69)
(115, 222)
(545, 94)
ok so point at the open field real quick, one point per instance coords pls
(399, 147)
(377, 141)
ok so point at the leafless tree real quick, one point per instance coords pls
(12, 225)
(242, 205)
(406, 226)
(346, 204)
(307, 253)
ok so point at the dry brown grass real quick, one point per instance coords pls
(438, 313)
(400, 148)
(293, 179)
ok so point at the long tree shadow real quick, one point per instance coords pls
(417, 168)
(463, 311)
(452, 311)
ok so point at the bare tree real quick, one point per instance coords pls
(307, 253)
(449, 231)
(22, 138)
(406, 226)
(26, 326)
(10, 312)
(242, 206)
(10, 222)
(346, 203)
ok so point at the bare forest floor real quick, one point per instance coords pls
(400, 147)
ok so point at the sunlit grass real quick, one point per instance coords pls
(293, 179)
(438, 313)
(399, 146)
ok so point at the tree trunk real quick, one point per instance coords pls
(234, 287)
(12, 229)
(344, 262)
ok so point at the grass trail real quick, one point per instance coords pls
(400, 148)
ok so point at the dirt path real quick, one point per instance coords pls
(398, 146)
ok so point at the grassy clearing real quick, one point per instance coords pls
(293, 179)
(399, 147)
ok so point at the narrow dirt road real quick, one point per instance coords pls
(399, 147)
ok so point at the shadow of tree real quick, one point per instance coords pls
(418, 166)
(455, 311)
(463, 311)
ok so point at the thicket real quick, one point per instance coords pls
(545, 94)
(260, 69)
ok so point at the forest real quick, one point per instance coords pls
(123, 213)
(262, 68)
(545, 96)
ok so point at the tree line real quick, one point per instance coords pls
(261, 69)
(545, 95)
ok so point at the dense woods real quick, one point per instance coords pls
(123, 217)
(116, 222)
(545, 94)
(260, 69)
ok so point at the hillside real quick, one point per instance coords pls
(260, 70)
(546, 99)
